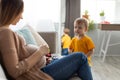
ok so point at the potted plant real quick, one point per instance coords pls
(86, 14)
(91, 25)
(102, 13)
(91, 22)
(102, 16)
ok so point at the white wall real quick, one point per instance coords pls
(41, 10)
(117, 11)
(94, 7)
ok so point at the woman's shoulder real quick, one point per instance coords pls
(5, 30)
(6, 33)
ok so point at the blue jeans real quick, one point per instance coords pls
(65, 67)
(65, 51)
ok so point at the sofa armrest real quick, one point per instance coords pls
(50, 38)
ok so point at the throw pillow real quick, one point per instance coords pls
(39, 40)
(26, 33)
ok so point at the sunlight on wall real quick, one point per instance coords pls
(38, 10)
(35, 10)
(94, 7)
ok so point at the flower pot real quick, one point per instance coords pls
(85, 16)
(102, 18)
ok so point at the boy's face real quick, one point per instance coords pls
(79, 29)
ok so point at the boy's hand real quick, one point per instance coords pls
(90, 53)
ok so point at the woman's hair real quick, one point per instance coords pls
(82, 21)
(9, 10)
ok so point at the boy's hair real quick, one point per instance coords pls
(9, 10)
(66, 30)
(82, 21)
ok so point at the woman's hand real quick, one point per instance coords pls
(44, 49)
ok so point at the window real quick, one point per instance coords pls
(35, 10)
(94, 7)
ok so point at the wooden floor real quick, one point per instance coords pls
(108, 70)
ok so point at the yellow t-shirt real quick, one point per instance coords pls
(85, 44)
(66, 40)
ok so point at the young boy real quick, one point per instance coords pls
(81, 42)
(66, 39)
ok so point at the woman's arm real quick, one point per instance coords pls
(14, 66)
